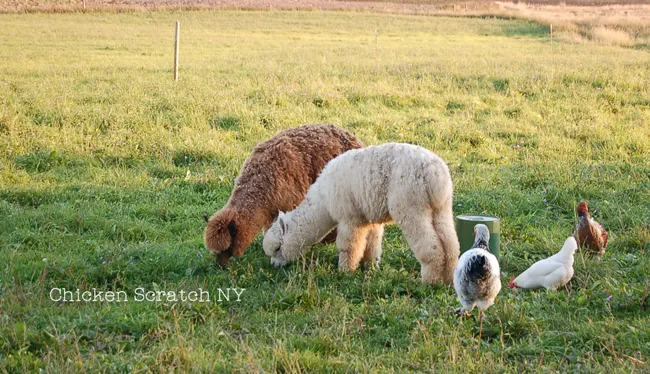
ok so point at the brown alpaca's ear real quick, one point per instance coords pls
(232, 229)
(235, 249)
(224, 257)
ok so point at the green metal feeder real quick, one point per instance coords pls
(465, 231)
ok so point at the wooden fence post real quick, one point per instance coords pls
(176, 48)
(552, 49)
(376, 42)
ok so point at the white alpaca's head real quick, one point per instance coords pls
(278, 239)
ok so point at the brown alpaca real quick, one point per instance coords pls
(275, 177)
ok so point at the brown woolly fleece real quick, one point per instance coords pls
(275, 177)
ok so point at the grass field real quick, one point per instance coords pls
(106, 166)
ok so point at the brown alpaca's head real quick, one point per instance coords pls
(220, 236)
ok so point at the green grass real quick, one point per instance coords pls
(106, 166)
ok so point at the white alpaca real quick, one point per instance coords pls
(363, 189)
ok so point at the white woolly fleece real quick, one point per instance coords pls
(363, 189)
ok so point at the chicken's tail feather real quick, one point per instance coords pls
(478, 267)
(603, 233)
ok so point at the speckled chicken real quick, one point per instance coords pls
(589, 234)
(477, 278)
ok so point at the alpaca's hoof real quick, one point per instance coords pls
(278, 262)
(431, 277)
(370, 265)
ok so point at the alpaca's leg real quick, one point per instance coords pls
(372, 254)
(330, 238)
(351, 242)
(443, 224)
(424, 243)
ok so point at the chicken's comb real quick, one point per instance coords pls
(512, 282)
(582, 207)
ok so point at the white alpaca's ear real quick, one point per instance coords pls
(283, 225)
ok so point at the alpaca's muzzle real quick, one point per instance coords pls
(223, 258)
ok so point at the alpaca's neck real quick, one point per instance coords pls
(249, 211)
(312, 221)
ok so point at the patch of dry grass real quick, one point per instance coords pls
(624, 25)
(606, 35)
(606, 22)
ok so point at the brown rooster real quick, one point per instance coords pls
(589, 233)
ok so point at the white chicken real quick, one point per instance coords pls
(477, 278)
(551, 273)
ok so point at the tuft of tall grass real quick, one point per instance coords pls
(610, 36)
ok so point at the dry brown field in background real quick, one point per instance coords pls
(610, 22)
